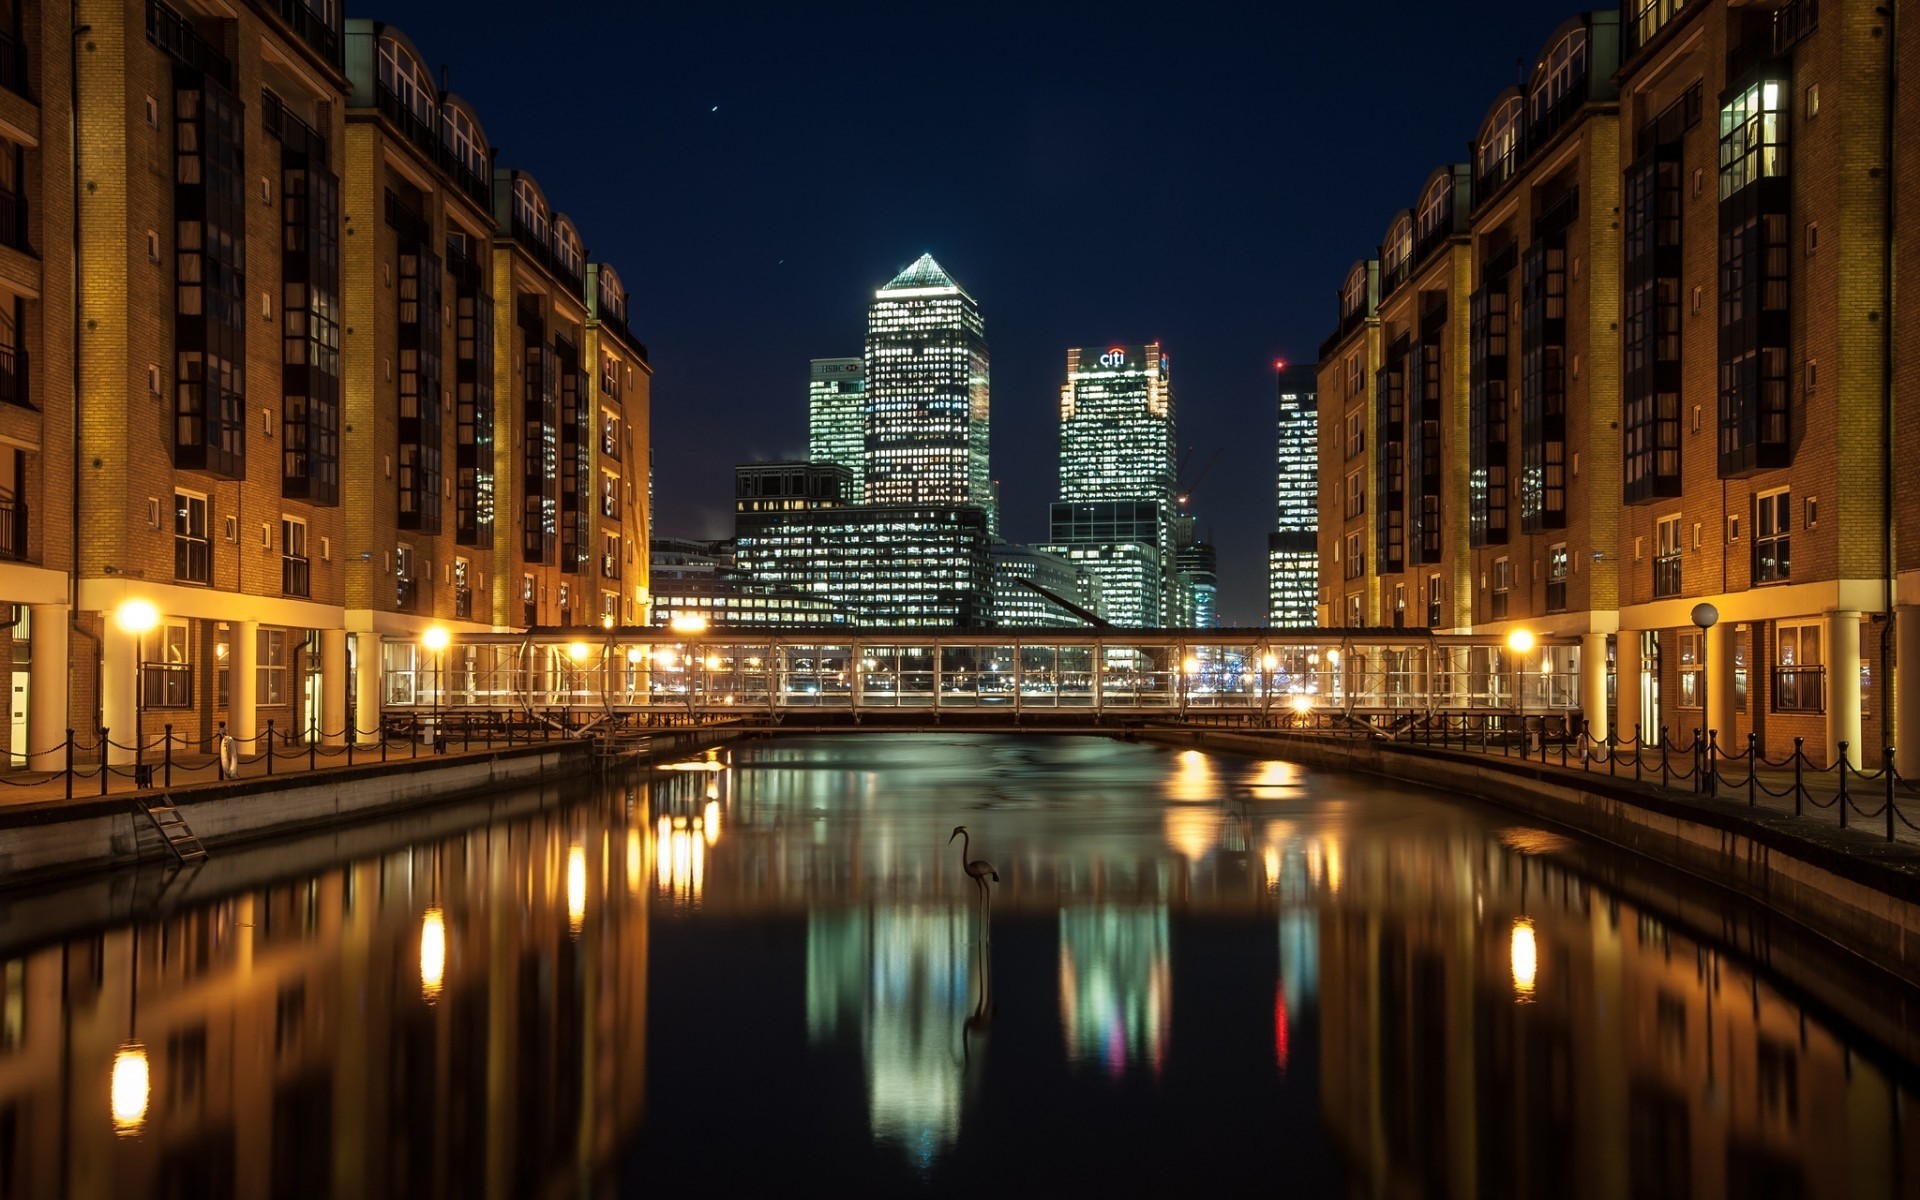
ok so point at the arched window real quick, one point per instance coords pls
(1354, 294)
(1558, 73)
(407, 79)
(1500, 142)
(566, 246)
(530, 209)
(1436, 207)
(1397, 249)
(464, 140)
(613, 297)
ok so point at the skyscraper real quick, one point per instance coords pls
(837, 418)
(1116, 510)
(926, 403)
(1293, 563)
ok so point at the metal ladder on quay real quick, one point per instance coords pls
(172, 828)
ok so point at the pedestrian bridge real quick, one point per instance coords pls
(1043, 677)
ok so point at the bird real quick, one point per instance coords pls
(979, 868)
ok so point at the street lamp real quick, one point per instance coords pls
(1520, 641)
(437, 639)
(137, 617)
(1706, 616)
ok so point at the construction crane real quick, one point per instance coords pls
(1183, 490)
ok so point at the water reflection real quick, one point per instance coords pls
(770, 967)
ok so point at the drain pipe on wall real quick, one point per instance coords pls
(73, 170)
(1888, 547)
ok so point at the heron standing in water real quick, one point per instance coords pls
(979, 868)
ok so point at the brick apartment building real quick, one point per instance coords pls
(285, 404)
(1633, 356)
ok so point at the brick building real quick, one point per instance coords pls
(1653, 355)
(284, 409)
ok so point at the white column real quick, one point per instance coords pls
(117, 702)
(1627, 669)
(1905, 691)
(1719, 714)
(47, 689)
(1593, 684)
(333, 686)
(243, 713)
(366, 687)
(1843, 684)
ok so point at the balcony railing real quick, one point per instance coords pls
(13, 527)
(1793, 21)
(1799, 689)
(610, 566)
(1666, 575)
(13, 376)
(543, 253)
(406, 593)
(463, 603)
(308, 26)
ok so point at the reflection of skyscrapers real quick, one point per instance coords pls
(1116, 989)
(1115, 513)
(1293, 565)
(837, 418)
(897, 979)
(926, 402)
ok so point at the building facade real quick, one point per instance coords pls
(1293, 553)
(1669, 389)
(1120, 543)
(927, 394)
(896, 565)
(1117, 439)
(1030, 584)
(266, 380)
(837, 418)
(699, 581)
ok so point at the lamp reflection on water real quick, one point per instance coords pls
(1192, 779)
(576, 888)
(433, 954)
(130, 1089)
(1525, 960)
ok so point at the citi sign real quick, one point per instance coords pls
(1114, 358)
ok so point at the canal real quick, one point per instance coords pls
(769, 968)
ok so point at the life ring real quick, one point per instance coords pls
(229, 756)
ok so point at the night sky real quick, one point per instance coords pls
(1195, 173)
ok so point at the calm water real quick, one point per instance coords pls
(1199, 973)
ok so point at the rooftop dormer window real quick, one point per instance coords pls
(1436, 207)
(407, 79)
(1354, 294)
(613, 297)
(1559, 73)
(530, 210)
(464, 139)
(1500, 143)
(566, 247)
(1397, 249)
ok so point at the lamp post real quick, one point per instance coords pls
(690, 625)
(577, 653)
(137, 617)
(1706, 616)
(436, 639)
(1520, 641)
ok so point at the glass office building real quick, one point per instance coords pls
(1119, 542)
(888, 566)
(837, 418)
(1199, 567)
(1293, 564)
(1030, 584)
(926, 399)
(1116, 512)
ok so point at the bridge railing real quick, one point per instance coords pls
(1161, 671)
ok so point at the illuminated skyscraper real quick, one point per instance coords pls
(926, 414)
(1293, 564)
(1116, 510)
(837, 418)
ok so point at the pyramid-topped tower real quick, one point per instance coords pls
(926, 399)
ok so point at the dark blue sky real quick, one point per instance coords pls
(1198, 173)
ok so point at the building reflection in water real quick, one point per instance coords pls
(898, 980)
(1116, 986)
(432, 1021)
(1498, 1026)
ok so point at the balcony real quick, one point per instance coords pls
(13, 377)
(463, 603)
(1666, 575)
(1792, 22)
(543, 253)
(13, 527)
(406, 593)
(306, 24)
